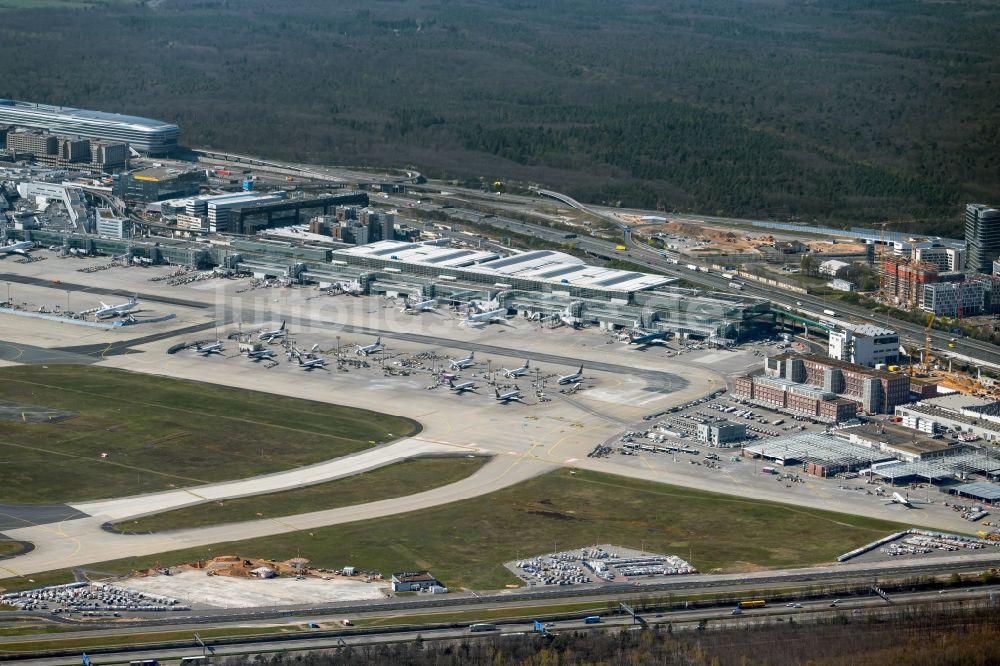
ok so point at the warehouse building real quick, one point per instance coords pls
(967, 417)
(815, 453)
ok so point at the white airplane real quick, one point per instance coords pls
(417, 307)
(107, 311)
(370, 349)
(463, 387)
(485, 317)
(17, 248)
(206, 350)
(509, 396)
(899, 499)
(311, 364)
(571, 379)
(267, 336)
(260, 354)
(463, 363)
(516, 372)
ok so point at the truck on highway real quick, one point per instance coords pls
(736, 285)
(692, 267)
(830, 313)
(620, 248)
(483, 626)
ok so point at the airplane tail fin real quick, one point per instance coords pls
(282, 327)
(525, 366)
(580, 371)
(497, 391)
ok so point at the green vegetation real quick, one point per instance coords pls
(398, 480)
(162, 433)
(91, 642)
(751, 108)
(9, 547)
(466, 543)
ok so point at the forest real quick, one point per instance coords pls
(843, 111)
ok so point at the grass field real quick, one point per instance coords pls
(8, 547)
(466, 543)
(162, 433)
(398, 480)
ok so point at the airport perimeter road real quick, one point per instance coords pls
(79, 542)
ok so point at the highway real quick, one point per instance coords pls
(812, 610)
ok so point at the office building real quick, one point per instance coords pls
(982, 237)
(721, 432)
(945, 258)
(145, 135)
(112, 226)
(815, 385)
(158, 184)
(864, 344)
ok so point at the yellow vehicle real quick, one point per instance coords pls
(620, 248)
(753, 603)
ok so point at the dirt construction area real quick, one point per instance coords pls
(198, 590)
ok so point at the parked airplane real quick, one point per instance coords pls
(899, 499)
(647, 338)
(570, 379)
(463, 387)
(311, 364)
(107, 311)
(487, 317)
(206, 350)
(416, 307)
(516, 372)
(260, 354)
(370, 349)
(463, 363)
(17, 248)
(507, 397)
(268, 336)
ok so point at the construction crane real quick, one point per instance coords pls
(927, 343)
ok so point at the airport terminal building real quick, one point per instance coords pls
(145, 135)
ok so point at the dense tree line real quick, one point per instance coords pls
(843, 110)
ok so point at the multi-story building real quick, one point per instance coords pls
(945, 258)
(51, 150)
(721, 432)
(112, 226)
(795, 398)
(982, 237)
(158, 184)
(143, 134)
(954, 299)
(904, 279)
(864, 344)
(876, 391)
